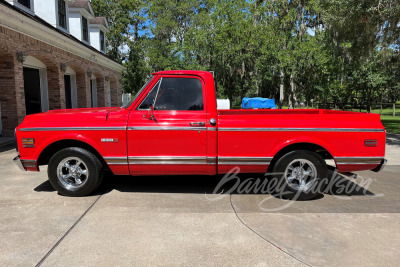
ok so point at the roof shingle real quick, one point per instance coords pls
(79, 3)
(98, 20)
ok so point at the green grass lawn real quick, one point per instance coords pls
(392, 124)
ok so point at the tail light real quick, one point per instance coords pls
(371, 143)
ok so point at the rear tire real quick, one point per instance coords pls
(75, 172)
(302, 175)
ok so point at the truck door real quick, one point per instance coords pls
(167, 131)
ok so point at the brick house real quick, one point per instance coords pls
(52, 56)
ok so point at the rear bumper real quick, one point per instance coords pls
(17, 161)
(380, 166)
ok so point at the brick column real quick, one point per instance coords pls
(114, 93)
(8, 96)
(56, 88)
(101, 92)
(12, 95)
(83, 90)
(19, 91)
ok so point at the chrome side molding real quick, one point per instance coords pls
(116, 160)
(72, 129)
(298, 130)
(166, 128)
(358, 160)
(244, 160)
(179, 160)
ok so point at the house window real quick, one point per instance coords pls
(85, 31)
(62, 14)
(26, 3)
(102, 41)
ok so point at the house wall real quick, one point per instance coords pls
(12, 96)
(75, 24)
(95, 37)
(47, 10)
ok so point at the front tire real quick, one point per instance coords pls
(302, 175)
(75, 172)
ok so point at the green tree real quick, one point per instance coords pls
(126, 39)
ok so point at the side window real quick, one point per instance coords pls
(150, 97)
(179, 94)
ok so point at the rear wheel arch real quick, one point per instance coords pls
(312, 147)
(53, 148)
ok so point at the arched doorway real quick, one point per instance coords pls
(35, 86)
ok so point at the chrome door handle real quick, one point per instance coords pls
(197, 124)
(213, 122)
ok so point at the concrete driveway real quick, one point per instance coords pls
(178, 221)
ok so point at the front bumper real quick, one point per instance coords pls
(26, 164)
(380, 166)
(18, 162)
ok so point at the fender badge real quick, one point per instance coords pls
(109, 140)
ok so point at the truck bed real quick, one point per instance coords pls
(255, 133)
(281, 111)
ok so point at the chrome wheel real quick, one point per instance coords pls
(72, 172)
(301, 174)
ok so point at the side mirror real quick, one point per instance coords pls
(150, 114)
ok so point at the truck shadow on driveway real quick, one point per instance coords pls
(346, 195)
(207, 185)
(392, 139)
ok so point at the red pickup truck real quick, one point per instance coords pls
(173, 127)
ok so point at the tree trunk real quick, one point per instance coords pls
(281, 89)
(292, 93)
(257, 84)
(394, 109)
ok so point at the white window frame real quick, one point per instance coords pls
(88, 30)
(66, 29)
(104, 41)
(21, 6)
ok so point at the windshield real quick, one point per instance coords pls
(138, 93)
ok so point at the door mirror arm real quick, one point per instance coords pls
(150, 114)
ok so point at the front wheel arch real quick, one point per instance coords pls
(53, 148)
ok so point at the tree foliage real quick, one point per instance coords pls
(293, 51)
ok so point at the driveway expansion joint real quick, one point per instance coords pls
(67, 232)
(268, 241)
